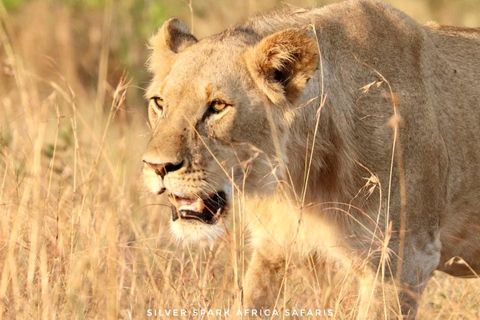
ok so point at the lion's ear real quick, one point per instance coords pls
(172, 38)
(282, 63)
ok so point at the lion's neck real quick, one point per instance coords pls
(323, 164)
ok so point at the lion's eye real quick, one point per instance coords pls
(218, 106)
(158, 103)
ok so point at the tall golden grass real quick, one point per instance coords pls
(80, 237)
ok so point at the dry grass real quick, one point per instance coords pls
(79, 235)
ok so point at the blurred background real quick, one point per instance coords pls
(80, 236)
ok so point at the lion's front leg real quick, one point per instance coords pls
(377, 298)
(263, 281)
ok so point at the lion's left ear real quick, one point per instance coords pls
(282, 63)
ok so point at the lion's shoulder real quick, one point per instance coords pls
(342, 15)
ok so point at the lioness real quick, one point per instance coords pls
(351, 130)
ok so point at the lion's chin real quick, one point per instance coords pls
(196, 232)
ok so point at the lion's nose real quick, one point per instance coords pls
(163, 168)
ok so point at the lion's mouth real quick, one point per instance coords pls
(207, 210)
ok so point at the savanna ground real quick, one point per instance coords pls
(80, 237)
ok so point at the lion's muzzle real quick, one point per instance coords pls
(207, 210)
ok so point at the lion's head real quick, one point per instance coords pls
(218, 108)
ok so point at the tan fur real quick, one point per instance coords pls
(339, 197)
